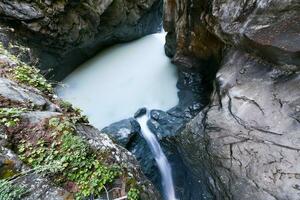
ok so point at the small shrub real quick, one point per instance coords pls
(9, 191)
(80, 167)
(31, 76)
(133, 194)
(10, 116)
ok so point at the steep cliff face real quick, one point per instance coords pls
(188, 39)
(247, 139)
(199, 28)
(66, 33)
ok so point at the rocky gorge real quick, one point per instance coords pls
(247, 138)
(233, 135)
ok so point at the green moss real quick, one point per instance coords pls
(80, 168)
(31, 76)
(10, 116)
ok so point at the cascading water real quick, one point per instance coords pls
(118, 81)
(160, 158)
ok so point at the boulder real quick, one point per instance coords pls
(123, 131)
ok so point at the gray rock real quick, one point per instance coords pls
(20, 10)
(12, 93)
(101, 142)
(140, 112)
(36, 117)
(267, 28)
(246, 141)
(123, 131)
(37, 187)
(249, 138)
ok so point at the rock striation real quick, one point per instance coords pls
(246, 140)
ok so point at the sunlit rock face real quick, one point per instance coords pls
(117, 82)
(247, 138)
(63, 34)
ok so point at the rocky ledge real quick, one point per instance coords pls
(48, 150)
(247, 139)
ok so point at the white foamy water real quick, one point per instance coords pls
(118, 81)
(160, 158)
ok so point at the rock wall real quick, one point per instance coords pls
(247, 139)
(63, 34)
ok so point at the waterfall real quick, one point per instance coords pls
(160, 158)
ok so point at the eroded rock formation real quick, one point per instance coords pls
(247, 139)
(63, 34)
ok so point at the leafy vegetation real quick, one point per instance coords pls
(31, 76)
(58, 152)
(133, 194)
(10, 116)
(26, 74)
(80, 167)
(9, 191)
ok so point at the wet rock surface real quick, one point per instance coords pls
(165, 125)
(67, 33)
(244, 145)
(123, 131)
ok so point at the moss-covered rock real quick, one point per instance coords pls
(68, 157)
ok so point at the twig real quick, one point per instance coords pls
(107, 194)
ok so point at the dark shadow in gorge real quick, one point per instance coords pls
(58, 58)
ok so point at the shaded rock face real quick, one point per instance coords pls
(63, 34)
(268, 28)
(188, 40)
(245, 143)
(248, 139)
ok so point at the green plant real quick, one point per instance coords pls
(80, 169)
(65, 105)
(133, 194)
(31, 76)
(10, 191)
(10, 116)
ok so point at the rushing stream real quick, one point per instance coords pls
(160, 158)
(118, 81)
